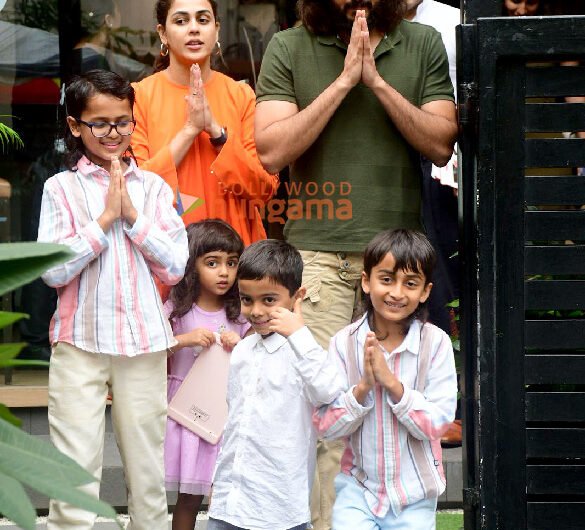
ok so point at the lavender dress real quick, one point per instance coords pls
(189, 460)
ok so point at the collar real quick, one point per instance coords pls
(87, 168)
(271, 343)
(389, 40)
(410, 343)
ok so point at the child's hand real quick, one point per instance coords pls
(127, 210)
(287, 322)
(229, 339)
(113, 209)
(382, 373)
(198, 337)
(368, 380)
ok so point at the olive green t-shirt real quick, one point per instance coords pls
(360, 176)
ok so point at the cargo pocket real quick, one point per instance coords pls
(315, 295)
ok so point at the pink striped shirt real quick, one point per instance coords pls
(393, 449)
(108, 299)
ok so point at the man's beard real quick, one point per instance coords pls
(343, 23)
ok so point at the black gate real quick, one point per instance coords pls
(523, 232)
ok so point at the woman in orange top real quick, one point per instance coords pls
(195, 126)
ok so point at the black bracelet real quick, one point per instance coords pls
(220, 140)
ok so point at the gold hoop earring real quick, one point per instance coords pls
(164, 49)
(221, 58)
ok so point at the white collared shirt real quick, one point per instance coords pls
(265, 468)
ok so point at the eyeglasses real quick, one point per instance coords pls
(100, 129)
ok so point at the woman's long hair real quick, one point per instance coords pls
(206, 236)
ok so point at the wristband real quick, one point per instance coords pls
(220, 140)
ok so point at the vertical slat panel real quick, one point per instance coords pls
(509, 250)
(487, 453)
(466, 75)
(501, 270)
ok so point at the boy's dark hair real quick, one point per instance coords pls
(412, 251)
(276, 260)
(78, 92)
(206, 236)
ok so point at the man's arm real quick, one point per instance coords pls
(283, 133)
(430, 129)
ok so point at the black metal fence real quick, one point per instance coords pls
(523, 253)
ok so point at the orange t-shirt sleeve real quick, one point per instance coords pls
(161, 162)
(237, 165)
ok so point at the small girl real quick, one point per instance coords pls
(401, 393)
(204, 302)
(109, 333)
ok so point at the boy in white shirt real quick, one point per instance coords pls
(277, 376)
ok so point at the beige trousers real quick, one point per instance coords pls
(333, 288)
(79, 382)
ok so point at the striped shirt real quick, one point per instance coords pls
(108, 299)
(393, 449)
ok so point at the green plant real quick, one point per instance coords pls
(8, 137)
(24, 459)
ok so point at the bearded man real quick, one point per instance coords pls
(349, 99)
